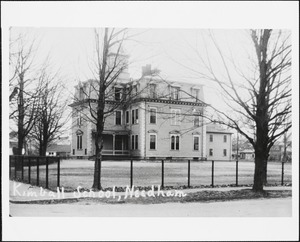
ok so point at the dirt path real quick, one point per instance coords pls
(275, 207)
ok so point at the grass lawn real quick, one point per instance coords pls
(75, 173)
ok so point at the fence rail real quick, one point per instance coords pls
(34, 165)
(45, 171)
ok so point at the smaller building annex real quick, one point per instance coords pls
(218, 143)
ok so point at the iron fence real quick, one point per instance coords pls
(45, 171)
(35, 170)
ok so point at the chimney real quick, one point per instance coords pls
(146, 70)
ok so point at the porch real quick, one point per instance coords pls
(114, 144)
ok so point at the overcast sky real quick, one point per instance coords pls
(176, 52)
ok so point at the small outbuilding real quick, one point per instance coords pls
(59, 150)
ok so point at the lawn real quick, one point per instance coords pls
(75, 173)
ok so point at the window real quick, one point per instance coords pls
(127, 117)
(196, 142)
(152, 90)
(118, 117)
(196, 120)
(175, 93)
(132, 142)
(79, 120)
(211, 153)
(79, 142)
(211, 138)
(136, 142)
(225, 138)
(85, 151)
(152, 115)
(132, 116)
(175, 118)
(118, 93)
(152, 141)
(136, 116)
(73, 151)
(174, 142)
(224, 152)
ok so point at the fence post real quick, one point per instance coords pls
(22, 163)
(237, 173)
(282, 173)
(58, 172)
(189, 172)
(212, 173)
(10, 158)
(162, 173)
(16, 167)
(131, 173)
(38, 171)
(99, 174)
(29, 169)
(47, 170)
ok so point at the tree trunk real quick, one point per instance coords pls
(262, 119)
(43, 149)
(99, 141)
(261, 158)
(97, 164)
(258, 185)
(100, 114)
(21, 116)
(265, 172)
(20, 142)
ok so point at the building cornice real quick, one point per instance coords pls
(84, 101)
(170, 101)
(154, 100)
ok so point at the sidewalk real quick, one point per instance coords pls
(26, 193)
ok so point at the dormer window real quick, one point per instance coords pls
(175, 93)
(134, 90)
(152, 90)
(118, 92)
(195, 94)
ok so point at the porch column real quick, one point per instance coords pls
(114, 141)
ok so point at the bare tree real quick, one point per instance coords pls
(24, 93)
(51, 116)
(99, 98)
(261, 102)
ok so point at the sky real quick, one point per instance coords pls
(180, 54)
(174, 51)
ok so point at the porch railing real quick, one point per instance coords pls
(115, 152)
